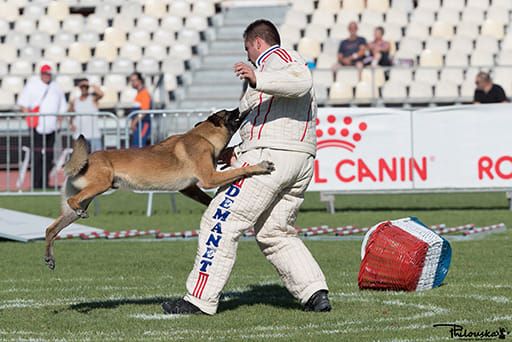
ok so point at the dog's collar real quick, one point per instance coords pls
(265, 53)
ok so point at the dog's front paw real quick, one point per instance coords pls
(50, 262)
(266, 167)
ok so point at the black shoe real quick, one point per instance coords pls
(318, 302)
(180, 307)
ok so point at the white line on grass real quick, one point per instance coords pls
(149, 317)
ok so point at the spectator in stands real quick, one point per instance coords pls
(486, 91)
(379, 49)
(42, 96)
(141, 124)
(352, 50)
(88, 125)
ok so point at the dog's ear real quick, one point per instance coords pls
(215, 120)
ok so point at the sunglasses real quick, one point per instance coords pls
(85, 86)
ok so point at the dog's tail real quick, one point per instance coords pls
(78, 159)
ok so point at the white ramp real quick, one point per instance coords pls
(19, 226)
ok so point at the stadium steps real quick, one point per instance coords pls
(212, 81)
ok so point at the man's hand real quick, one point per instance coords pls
(245, 72)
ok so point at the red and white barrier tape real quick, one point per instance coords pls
(345, 232)
(484, 229)
(455, 229)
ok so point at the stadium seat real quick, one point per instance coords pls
(115, 82)
(139, 37)
(340, 92)
(442, 29)
(203, 8)
(172, 23)
(33, 11)
(364, 92)
(148, 23)
(106, 10)
(79, 51)
(432, 5)
(506, 43)
(12, 83)
(348, 76)
(289, 34)
(373, 76)
(467, 90)
(467, 29)
(438, 44)
(188, 36)
(306, 6)
(170, 82)
(148, 65)
(196, 22)
(493, 28)
(400, 75)
(88, 38)
(498, 14)
(21, 68)
(296, 19)
(96, 23)
(454, 4)
(323, 77)
(131, 10)
(114, 36)
(6, 98)
(505, 58)
(155, 8)
(430, 58)
(482, 4)
(31, 53)
(420, 92)
(55, 53)
(462, 43)
(97, 66)
(156, 51)
(70, 66)
(131, 52)
(163, 37)
(372, 17)
(482, 58)
(470, 74)
(392, 32)
(9, 11)
(417, 31)
(473, 15)
(323, 18)
(331, 6)
(48, 24)
(356, 5)
(65, 83)
(455, 75)
(25, 25)
(502, 71)
(378, 5)
(180, 8)
(64, 39)
(450, 16)
(74, 23)
(4, 27)
(9, 53)
(128, 97)
(456, 58)
(171, 65)
(105, 51)
(122, 66)
(489, 44)
(181, 51)
(505, 82)
(394, 92)
(321, 92)
(124, 23)
(446, 91)
(426, 75)
(309, 48)
(502, 3)
(397, 16)
(316, 32)
(58, 10)
(326, 61)
(345, 16)
(423, 16)
(109, 99)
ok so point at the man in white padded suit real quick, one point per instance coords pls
(281, 128)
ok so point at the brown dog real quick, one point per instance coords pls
(175, 164)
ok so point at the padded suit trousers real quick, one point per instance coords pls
(269, 203)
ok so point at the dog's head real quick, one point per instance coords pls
(231, 119)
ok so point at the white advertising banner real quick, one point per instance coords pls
(363, 149)
(383, 149)
(466, 146)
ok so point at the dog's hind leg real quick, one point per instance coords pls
(81, 200)
(67, 217)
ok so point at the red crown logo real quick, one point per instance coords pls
(346, 136)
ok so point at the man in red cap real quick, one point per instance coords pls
(42, 96)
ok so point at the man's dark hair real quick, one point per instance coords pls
(381, 29)
(263, 29)
(138, 75)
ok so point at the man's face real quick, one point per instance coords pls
(135, 82)
(46, 77)
(352, 29)
(84, 87)
(480, 83)
(377, 34)
(253, 49)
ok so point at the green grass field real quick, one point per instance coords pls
(112, 290)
